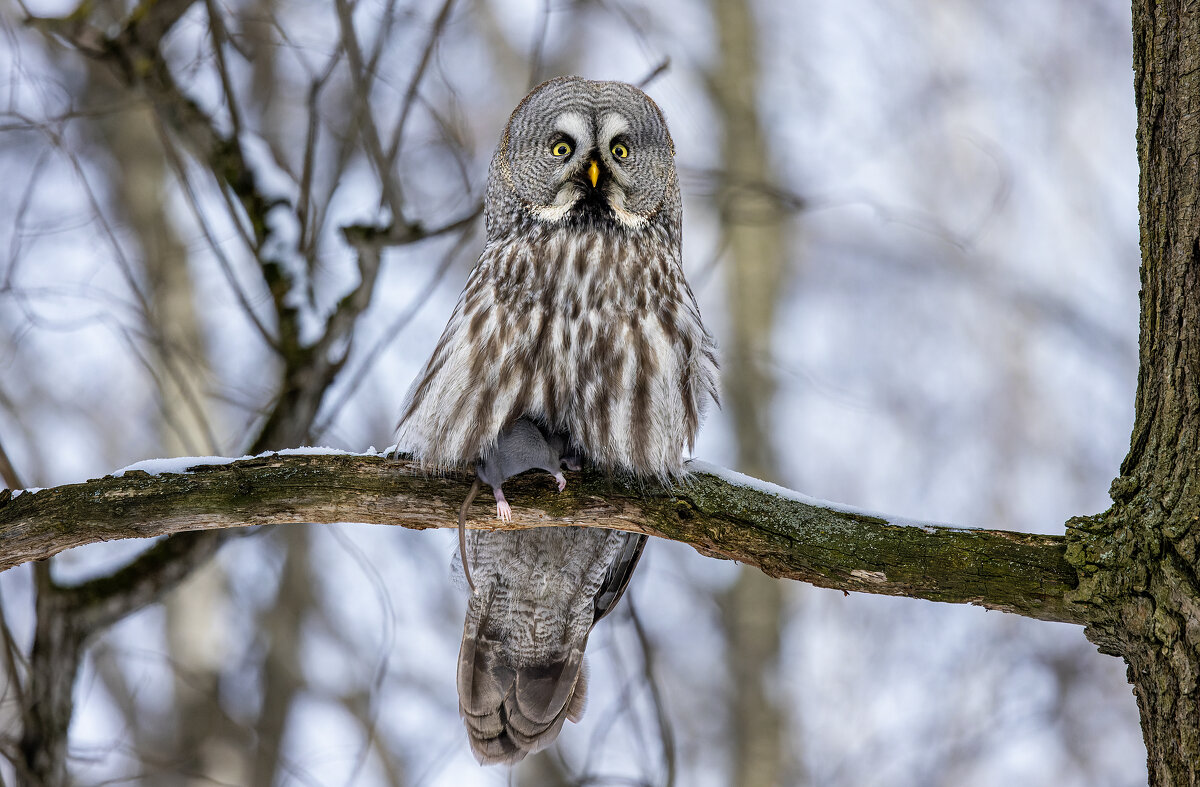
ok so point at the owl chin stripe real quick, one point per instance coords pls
(627, 219)
(552, 214)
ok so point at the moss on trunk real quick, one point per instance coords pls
(1138, 561)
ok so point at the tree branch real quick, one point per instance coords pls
(719, 513)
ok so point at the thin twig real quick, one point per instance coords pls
(539, 45)
(219, 38)
(666, 731)
(406, 104)
(362, 79)
(353, 380)
(7, 472)
(658, 71)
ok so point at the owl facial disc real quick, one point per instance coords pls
(589, 190)
(578, 151)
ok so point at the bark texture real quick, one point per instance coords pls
(1138, 560)
(778, 531)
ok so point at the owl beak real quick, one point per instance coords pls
(594, 173)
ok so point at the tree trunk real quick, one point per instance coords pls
(1138, 560)
(751, 230)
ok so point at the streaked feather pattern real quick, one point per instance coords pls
(593, 334)
(521, 666)
(578, 317)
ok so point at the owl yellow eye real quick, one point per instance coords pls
(560, 149)
(620, 151)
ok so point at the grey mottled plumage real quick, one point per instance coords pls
(578, 318)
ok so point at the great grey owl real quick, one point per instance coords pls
(578, 318)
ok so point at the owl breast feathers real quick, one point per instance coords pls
(577, 318)
(593, 334)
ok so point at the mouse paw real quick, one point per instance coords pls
(562, 481)
(503, 511)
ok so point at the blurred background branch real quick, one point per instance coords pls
(238, 226)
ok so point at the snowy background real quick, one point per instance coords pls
(954, 340)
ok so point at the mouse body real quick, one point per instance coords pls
(524, 446)
(521, 447)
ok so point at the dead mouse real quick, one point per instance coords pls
(523, 446)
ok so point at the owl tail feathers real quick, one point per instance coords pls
(510, 712)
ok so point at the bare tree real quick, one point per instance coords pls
(230, 146)
(165, 128)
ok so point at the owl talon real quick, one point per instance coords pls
(562, 481)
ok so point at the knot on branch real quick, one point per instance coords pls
(1123, 488)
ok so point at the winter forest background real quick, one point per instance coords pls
(911, 225)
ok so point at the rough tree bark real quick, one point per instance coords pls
(720, 513)
(1138, 561)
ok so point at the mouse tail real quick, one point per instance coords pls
(462, 532)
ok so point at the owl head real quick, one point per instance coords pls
(580, 151)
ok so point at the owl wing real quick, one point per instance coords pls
(620, 571)
(458, 405)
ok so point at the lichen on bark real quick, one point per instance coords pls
(1137, 562)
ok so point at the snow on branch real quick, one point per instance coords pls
(720, 513)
